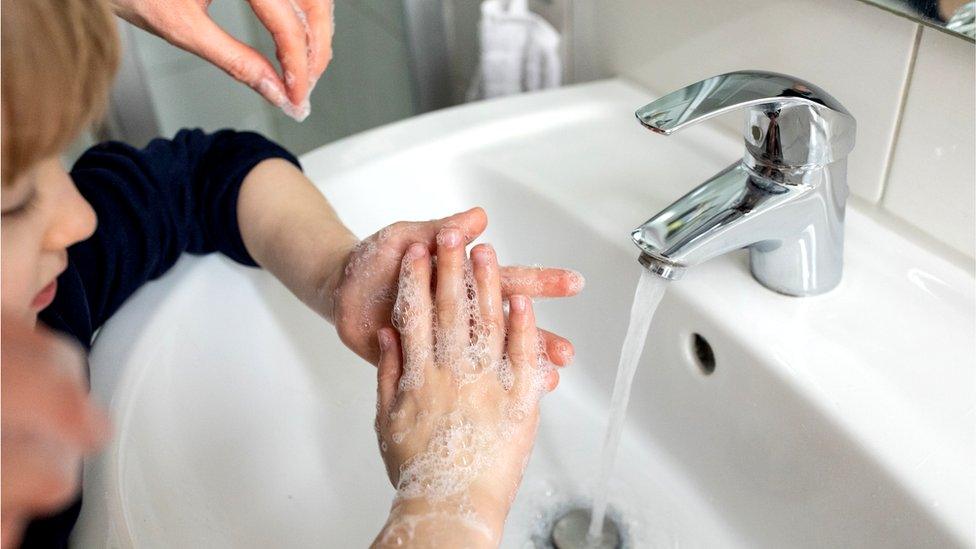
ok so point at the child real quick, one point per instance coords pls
(76, 246)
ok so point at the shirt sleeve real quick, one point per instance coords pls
(176, 195)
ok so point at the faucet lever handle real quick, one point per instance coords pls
(791, 123)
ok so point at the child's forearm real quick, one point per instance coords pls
(290, 229)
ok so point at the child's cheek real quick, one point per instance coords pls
(18, 268)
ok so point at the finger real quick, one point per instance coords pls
(43, 391)
(471, 223)
(242, 62)
(37, 474)
(413, 315)
(560, 349)
(11, 528)
(291, 44)
(387, 372)
(552, 380)
(541, 282)
(485, 265)
(453, 324)
(320, 17)
(522, 342)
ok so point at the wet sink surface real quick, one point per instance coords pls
(840, 420)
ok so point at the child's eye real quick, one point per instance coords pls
(20, 209)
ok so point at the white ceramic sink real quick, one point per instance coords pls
(844, 420)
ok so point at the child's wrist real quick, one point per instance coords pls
(333, 271)
(477, 520)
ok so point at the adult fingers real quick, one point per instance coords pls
(453, 323)
(43, 389)
(388, 371)
(203, 37)
(38, 474)
(291, 44)
(11, 528)
(413, 315)
(484, 262)
(319, 15)
(541, 282)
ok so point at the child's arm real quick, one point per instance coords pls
(291, 230)
(241, 195)
(153, 204)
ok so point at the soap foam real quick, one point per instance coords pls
(459, 450)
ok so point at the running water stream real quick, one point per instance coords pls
(650, 290)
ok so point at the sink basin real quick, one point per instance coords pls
(839, 420)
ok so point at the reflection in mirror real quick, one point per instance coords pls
(956, 16)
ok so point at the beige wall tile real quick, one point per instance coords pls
(932, 181)
(859, 53)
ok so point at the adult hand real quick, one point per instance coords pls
(361, 291)
(302, 31)
(48, 424)
(458, 398)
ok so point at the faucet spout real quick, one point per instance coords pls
(794, 231)
(784, 200)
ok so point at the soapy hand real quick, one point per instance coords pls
(48, 424)
(302, 31)
(364, 289)
(458, 395)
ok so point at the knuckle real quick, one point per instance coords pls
(238, 66)
(400, 227)
(494, 325)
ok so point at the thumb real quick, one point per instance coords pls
(388, 372)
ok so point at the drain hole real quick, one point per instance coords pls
(703, 354)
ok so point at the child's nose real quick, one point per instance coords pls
(75, 220)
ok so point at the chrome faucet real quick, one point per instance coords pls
(784, 200)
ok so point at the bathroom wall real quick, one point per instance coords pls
(910, 87)
(368, 81)
(186, 91)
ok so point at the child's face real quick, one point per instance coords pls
(43, 214)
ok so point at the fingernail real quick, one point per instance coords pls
(517, 303)
(449, 237)
(385, 340)
(482, 254)
(416, 251)
(297, 112)
(576, 283)
(273, 91)
(567, 351)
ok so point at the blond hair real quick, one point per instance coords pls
(58, 61)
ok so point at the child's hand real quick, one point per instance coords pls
(363, 293)
(48, 424)
(458, 400)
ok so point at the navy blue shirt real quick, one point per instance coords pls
(153, 204)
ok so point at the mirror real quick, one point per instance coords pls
(953, 16)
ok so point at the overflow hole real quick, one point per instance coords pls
(703, 354)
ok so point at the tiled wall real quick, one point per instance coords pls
(910, 87)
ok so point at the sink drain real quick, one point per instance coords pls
(569, 532)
